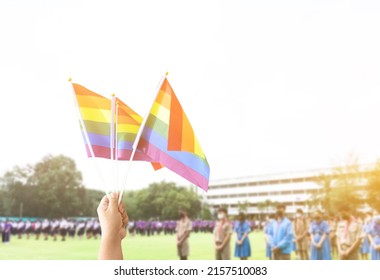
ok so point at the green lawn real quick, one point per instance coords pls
(160, 247)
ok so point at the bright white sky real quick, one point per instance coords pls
(269, 86)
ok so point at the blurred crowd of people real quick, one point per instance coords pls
(153, 227)
(311, 236)
(45, 228)
(322, 237)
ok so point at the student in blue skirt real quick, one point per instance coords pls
(319, 234)
(242, 246)
(374, 238)
(267, 234)
(364, 247)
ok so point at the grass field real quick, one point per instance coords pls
(161, 247)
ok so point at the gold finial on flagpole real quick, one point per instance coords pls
(167, 73)
(70, 79)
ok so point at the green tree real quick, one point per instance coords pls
(15, 191)
(51, 188)
(345, 192)
(268, 205)
(243, 206)
(162, 200)
(340, 189)
(205, 212)
(373, 188)
(58, 185)
(322, 196)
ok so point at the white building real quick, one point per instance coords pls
(294, 190)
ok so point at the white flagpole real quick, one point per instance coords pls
(117, 146)
(112, 142)
(138, 136)
(86, 138)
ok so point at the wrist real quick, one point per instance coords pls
(111, 238)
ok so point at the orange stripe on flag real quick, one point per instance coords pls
(175, 137)
(187, 135)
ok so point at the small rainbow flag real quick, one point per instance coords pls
(128, 125)
(169, 139)
(95, 111)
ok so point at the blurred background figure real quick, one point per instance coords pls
(365, 245)
(37, 228)
(222, 236)
(333, 246)
(71, 228)
(54, 229)
(242, 246)
(301, 228)
(267, 235)
(20, 228)
(46, 228)
(6, 234)
(89, 227)
(319, 235)
(183, 229)
(374, 238)
(96, 229)
(282, 235)
(63, 225)
(80, 229)
(349, 235)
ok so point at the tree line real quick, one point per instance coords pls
(53, 188)
(349, 188)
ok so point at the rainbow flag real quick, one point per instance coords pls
(128, 125)
(169, 139)
(95, 111)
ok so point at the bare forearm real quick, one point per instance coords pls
(225, 241)
(338, 245)
(244, 236)
(304, 234)
(371, 240)
(354, 246)
(110, 249)
(183, 238)
(322, 239)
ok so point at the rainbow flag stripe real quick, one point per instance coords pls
(169, 139)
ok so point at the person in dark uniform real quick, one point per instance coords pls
(2, 227)
(89, 227)
(132, 228)
(28, 229)
(20, 228)
(80, 229)
(96, 229)
(46, 228)
(37, 227)
(54, 229)
(6, 235)
(13, 227)
(63, 228)
(71, 228)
